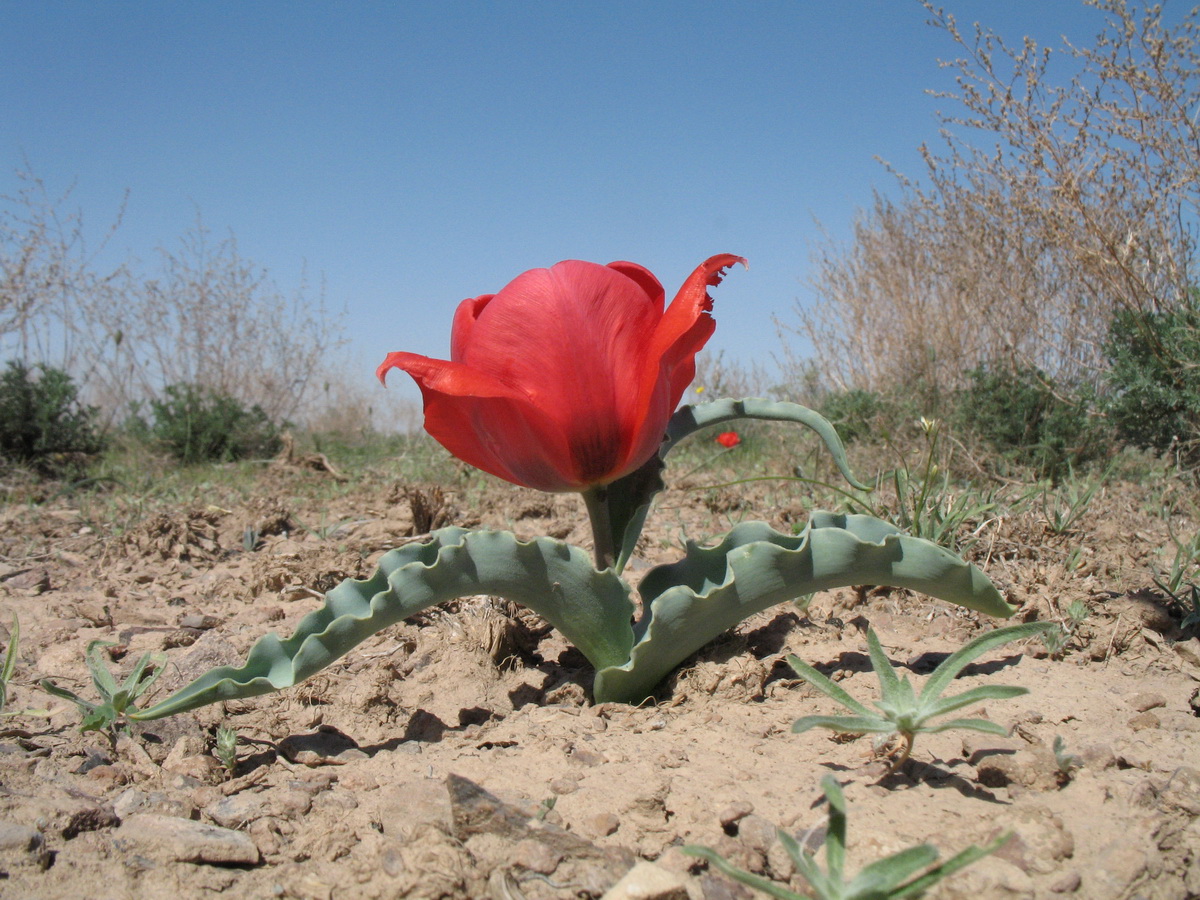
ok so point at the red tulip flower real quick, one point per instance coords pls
(565, 380)
(728, 439)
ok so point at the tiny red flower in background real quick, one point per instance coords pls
(566, 378)
(728, 439)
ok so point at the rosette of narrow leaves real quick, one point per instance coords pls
(891, 878)
(900, 710)
(116, 701)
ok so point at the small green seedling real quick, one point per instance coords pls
(884, 879)
(1058, 640)
(10, 661)
(225, 749)
(1066, 762)
(900, 710)
(116, 701)
(1189, 611)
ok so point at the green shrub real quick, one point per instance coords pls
(196, 425)
(1154, 378)
(1029, 420)
(42, 422)
(854, 413)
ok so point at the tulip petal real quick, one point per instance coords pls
(575, 338)
(488, 424)
(686, 325)
(465, 318)
(644, 278)
(683, 330)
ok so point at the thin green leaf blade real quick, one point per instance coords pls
(835, 837)
(826, 685)
(960, 860)
(961, 658)
(101, 677)
(944, 705)
(889, 681)
(883, 875)
(845, 724)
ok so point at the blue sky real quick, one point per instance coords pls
(419, 153)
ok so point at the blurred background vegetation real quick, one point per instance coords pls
(1032, 290)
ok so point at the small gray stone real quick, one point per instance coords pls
(1143, 721)
(20, 844)
(1188, 650)
(325, 747)
(1067, 883)
(757, 832)
(536, 857)
(172, 839)
(562, 786)
(236, 811)
(1145, 700)
(1034, 768)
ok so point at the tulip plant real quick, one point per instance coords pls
(569, 379)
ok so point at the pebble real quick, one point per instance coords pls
(21, 844)
(1067, 883)
(536, 856)
(1146, 700)
(564, 786)
(324, 747)
(757, 832)
(646, 881)
(1144, 720)
(136, 801)
(1188, 650)
(1034, 768)
(236, 811)
(602, 824)
(1098, 756)
(1182, 791)
(588, 757)
(172, 839)
(739, 809)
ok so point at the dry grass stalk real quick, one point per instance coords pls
(1054, 204)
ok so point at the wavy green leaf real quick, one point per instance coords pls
(688, 603)
(554, 579)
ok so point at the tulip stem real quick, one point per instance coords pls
(596, 500)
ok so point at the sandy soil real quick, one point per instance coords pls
(458, 754)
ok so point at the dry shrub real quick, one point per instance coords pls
(352, 403)
(213, 319)
(1066, 191)
(718, 377)
(205, 317)
(46, 270)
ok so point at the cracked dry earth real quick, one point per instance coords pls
(458, 754)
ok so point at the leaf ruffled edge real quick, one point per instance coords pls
(688, 603)
(591, 608)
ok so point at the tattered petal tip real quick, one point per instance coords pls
(715, 266)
